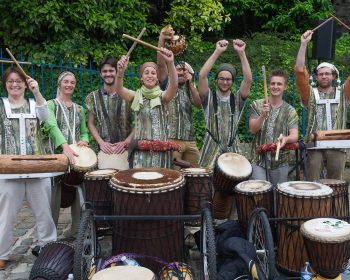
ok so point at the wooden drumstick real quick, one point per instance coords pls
(135, 43)
(278, 148)
(11, 61)
(141, 42)
(318, 26)
(265, 83)
(17, 64)
(341, 22)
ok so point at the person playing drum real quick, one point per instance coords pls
(272, 122)
(20, 134)
(148, 104)
(180, 122)
(66, 125)
(326, 102)
(109, 116)
(222, 109)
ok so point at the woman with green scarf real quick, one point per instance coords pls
(149, 103)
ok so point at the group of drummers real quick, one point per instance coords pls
(161, 132)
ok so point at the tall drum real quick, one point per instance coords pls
(341, 196)
(328, 244)
(298, 199)
(252, 194)
(198, 190)
(153, 192)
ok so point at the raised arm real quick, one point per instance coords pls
(170, 92)
(162, 68)
(304, 40)
(203, 85)
(194, 91)
(125, 93)
(244, 89)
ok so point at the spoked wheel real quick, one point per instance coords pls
(259, 234)
(85, 248)
(207, 247)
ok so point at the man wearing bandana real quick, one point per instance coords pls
(326, 102)
(222, 108)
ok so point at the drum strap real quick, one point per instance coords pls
(72, 132)
(113, 131)
(21, 118)
(215, 105)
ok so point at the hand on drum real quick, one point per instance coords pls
(119, 147)
(82, 143)
(107, 148)
(69, 153)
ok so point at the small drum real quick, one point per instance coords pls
(124, 273)
(86, 161)
(115, 161)
(148, 191)
(222, 204)
(298, 199)
(99, 193)
(198, 190)
(55, 261)
(341, 196)
(230, 170)
(328, 244)
(250, 195)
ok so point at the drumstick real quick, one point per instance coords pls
(278, 148)
(341, 22)
(265, 83)
(141, 42)
(135, 43)
(318, 26)
(11, 61)
(15, 61)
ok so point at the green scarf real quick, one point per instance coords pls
(151, 94)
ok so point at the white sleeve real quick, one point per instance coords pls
(42, 111)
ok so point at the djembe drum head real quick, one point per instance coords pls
(124, 273)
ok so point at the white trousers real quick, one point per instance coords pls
(38, 195)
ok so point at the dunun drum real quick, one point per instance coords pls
(124, 273)
(250, 195)
(98, 192)
(298, 199)
(341, 196)
(198, 190)
(230, 170)
(54, 262)
(327, 242)
(148, 191)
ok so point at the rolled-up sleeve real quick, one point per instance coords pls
(302, 82)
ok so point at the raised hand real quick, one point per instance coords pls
(238, 45)
(221, 46)
(122, 64)
(33, 86)
(166, 54)
(306, 37)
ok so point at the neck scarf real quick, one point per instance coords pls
(151, 94)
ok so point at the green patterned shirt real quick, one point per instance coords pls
(118, 111)
(279, 121)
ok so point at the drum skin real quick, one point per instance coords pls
(253, 194)
(341, 196)
(309, 200)
(124, 272)
(328, 247)
(54, 262)
(154, 192)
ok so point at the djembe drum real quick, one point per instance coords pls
(230, 170)
(152, 192)
(113, 161)
(98, 193)
(340, 195)
(298, 199)
(327, 242)
(124, 273)
(55, 261)
(198, 190)
(253, 194)
(86, 161)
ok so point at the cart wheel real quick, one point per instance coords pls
(259, 234)
(85, 247)
(207, 244)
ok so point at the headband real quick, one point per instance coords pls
(148, 64)
(188, 66)
(61, 77)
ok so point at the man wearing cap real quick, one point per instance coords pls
(179, 119)
(326, 103)
(222, 108)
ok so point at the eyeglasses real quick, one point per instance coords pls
(326, 74)
(18, 82)
(222, 79)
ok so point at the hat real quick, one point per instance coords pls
(226, 67)
(148, 64)
(329, 65)
(188, 66)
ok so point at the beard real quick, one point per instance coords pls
(181, 80)
(109, 83)
(325, 85)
